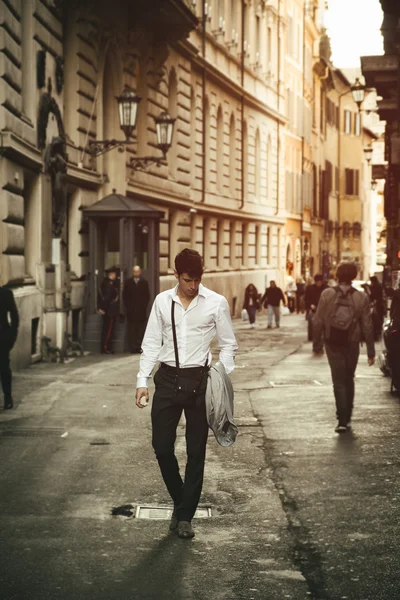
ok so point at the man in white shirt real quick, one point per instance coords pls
(199, 315)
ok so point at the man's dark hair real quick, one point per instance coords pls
(346, 272)
(374, 279)
(189, 261)
(318, 277)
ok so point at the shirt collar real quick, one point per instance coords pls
(203, 291)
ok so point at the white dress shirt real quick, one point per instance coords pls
(206, 316)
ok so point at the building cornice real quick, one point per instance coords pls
(158, 197)
(16, 148)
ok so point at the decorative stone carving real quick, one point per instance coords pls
(48, 105)
(56, 159)
(157, 63)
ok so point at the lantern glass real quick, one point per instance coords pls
(368, 153)
(127, 105)
(165, 130)
(358, 91)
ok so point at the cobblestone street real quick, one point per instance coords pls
(296, 511)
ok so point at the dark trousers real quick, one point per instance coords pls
(5, 371)
(165, 415)
(343, 363)
(136, 331)
(291, 303)
(107, 332)
(252, 314)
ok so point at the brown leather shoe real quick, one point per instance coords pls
(173, 524)
(185, 530)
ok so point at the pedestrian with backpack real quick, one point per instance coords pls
(343, 320)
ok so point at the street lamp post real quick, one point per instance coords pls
(128, 104)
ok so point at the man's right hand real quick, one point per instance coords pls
(142, 393)
(101, 312)
(371, 361)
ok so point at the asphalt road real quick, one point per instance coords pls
(297, 511)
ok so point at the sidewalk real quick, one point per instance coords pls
(77, 446)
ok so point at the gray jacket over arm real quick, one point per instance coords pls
(363, 329)
(219, 405)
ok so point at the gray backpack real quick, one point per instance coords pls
(342, 317)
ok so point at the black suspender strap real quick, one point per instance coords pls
(174, 336)
(175, 339)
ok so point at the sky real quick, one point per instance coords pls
(354, 29)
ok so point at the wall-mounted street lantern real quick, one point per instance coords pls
(128, 104)
(374, 184)
(368, 150)
(358, 91)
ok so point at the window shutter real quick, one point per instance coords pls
(356, 182)
(348, 181)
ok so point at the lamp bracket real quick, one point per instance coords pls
(141, 163)
(99, 147)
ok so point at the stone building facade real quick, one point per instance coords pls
(221, 75)
(382, 73)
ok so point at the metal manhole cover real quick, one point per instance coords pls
(295, 383)
(30, 432)
(165, 512)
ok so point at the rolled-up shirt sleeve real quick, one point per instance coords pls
(226, 337)
(151, 346)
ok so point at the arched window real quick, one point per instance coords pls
(269, 171)
(173, 112)
(193, 137)
(233, 21)
(245, 155)
(220, 151)
(232, 155)
(206, 137)
(257, 166)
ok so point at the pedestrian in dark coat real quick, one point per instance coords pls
(378, 306)
(251, 303)
(312, 296)
(9, 321)
(300, 291)
(273, 296)
(108, 306)
(136, 297)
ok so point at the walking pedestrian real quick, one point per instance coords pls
(343, 317)
(108, 307)
(136, 296)
(9, 322)
(300, 292)
(271, 300)
(312, 297)
(291, 289)
(378, 306)
(181, 326)
(251, 303)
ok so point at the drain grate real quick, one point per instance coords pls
(99, 443)
(31, 432)
(165, 512)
